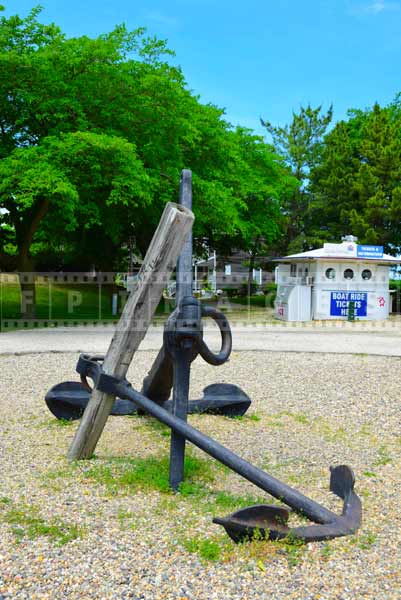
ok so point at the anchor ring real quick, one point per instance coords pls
(226, 338)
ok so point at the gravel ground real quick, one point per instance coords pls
(128, 541)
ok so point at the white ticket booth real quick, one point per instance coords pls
(321, 284)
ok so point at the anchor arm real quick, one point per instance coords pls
(266, 482)
(269, 520)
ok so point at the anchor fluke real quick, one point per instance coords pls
(68, 400)
(271, 522)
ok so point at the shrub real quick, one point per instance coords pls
(243, 290)
(270, 288)
(230, 292)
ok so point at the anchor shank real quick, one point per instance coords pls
(180, 411)
(269, 484)
(182, 362)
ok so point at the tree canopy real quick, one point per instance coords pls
(95, 131)
(356, 188)
(350, 177)
(93, 136)
(300, 144)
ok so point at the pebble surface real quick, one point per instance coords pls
(309, 411)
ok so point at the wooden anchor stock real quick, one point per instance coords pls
(160, 260)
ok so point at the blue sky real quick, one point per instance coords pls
(260, 58)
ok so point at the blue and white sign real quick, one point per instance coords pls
(340, 300)
(369, 251)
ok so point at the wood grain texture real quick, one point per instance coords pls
(160, 260)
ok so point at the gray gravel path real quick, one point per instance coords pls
(131, 541)
(380, 340)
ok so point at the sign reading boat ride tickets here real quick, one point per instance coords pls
(369, 251)
(340, 300)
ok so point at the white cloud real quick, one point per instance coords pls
(379, 6)
(162, 19)
(374, 8)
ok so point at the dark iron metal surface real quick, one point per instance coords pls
(180, 342)
(341, 483)
(271, 522)
(223, 399)
(68, 400)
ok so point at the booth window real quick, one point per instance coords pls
(331, 273)
(366, 274)
(348, 274)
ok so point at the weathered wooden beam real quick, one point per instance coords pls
(160, 260)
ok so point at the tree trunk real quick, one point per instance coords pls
(25, 231)
(250, 272)
(28, 297)
(26, 276)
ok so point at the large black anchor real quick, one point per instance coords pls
(268, 521)
(182, 343)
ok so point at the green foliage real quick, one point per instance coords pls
(60, 423)
(149, 474)
(248, 290)
(300, 144)
(207, 549)
(327, 551)
(395, 284)
(253, 417)
(230, 292)
(92, 141)
(76, 178)
(231, 502)
(270, 288)
(293, 548)
(384, 458)
(356, 188)
(25, 521)
(64, 302)
(261, 301)
(364, 541)
(369, 474)
(349, 178)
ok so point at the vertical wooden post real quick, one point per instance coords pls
(167, 243)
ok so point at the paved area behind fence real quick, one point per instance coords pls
(353, 338)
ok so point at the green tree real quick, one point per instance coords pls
(46, 190)
(74, 111)
(357, 186)
(261, 182)
(300, 144)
